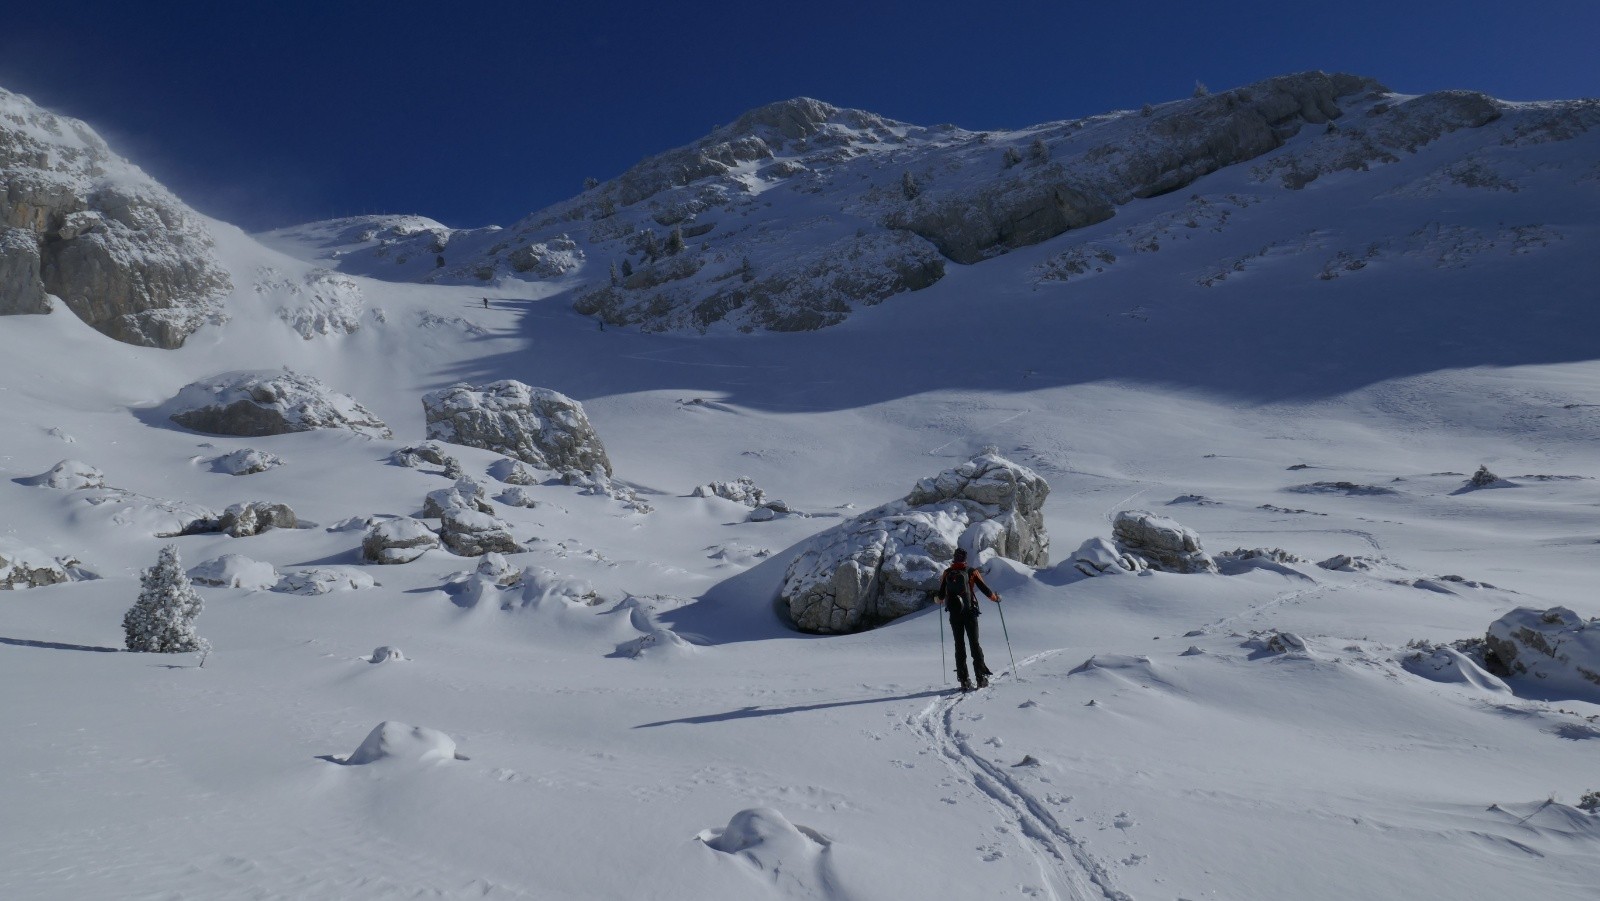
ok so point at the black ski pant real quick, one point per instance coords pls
(965, 629)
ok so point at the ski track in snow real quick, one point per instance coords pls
(1066, 868)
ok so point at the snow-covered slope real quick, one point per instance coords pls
(619, 711)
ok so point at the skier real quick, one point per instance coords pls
(486, 303)
(955, 593)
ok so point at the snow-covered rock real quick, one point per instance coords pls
(1443, 663)
(255, 517)
(235, 571)
(472, 533)
(496, 568)
(418, 454)
(465, 493)
(1557, 648)
(513, 472)
(742, 490)
(538, 426)
(1161, 542)
(395, 741)
(323, 580)
(69, 475)
(883, 563)
(81, 223)
(269, 402)
(518, 496)
(26, 567)
(547, 259)
(1098, 557)
(385, 654)
(597, 483)
(396, 541)
(246, 461)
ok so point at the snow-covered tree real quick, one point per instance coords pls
(1038, 150)
(909, 186)
(162, 620)
(675, 242)
(1200, 89)
(1012, 157)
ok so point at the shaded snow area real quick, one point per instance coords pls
(1272, 648)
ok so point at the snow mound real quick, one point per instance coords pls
(1446, 664)
(320, 580)
(246, 461)
(393, 741)
(267, 402)
(792, 858)
(883, 563)
(1556, 648)
(538, 426)
(235, 571)
(68, 475)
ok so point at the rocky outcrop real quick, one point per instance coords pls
(1146, 156)
(547, 259)
(397, 541)
(742, 490)
(255, 517)
(883, 564)
(1161, 542)
(79, 222)
(813, 287)
(26, 567)
(539, 426)
(473, 533)
(269, 402)
(1556, 648)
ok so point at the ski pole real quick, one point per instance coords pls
(1008, 641)
(939, 615)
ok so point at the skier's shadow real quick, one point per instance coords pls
(748, 712)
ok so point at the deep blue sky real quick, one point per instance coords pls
(271, 114)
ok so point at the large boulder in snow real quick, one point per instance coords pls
(1557, 647)
(539, 426)
(473, 533)
(394, 741)
(269, 402)
(1161, 542)
(397, 541)
(742, 490)
(884, 563)
(79, 222)
(255, 517)
(69, 475)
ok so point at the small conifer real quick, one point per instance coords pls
(162, 619)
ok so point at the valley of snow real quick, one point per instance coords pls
(1319, 370)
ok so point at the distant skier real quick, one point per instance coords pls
(955, 593)
(486, 303)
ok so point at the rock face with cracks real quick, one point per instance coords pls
(883, 564)
(538, 426)
(1161, 542)
(81, 223)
